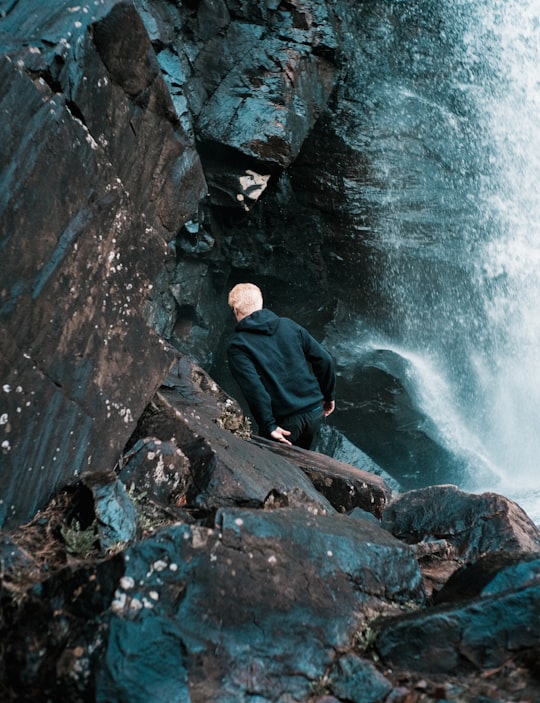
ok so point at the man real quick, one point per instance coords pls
(288, 379)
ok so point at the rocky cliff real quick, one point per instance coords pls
(137, 141)
(153, 154)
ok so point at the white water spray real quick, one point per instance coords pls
(509, 263)
(458, 218)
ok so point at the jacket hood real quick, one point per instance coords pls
(260, 322)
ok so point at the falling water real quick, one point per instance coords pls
(511, 260)
(457, 151)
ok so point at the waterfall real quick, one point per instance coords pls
(454, 159)
(510, 260)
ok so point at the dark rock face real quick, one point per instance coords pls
(98, 219)
(218, 572)
(454, 639)
(247, 580)
(249, 80)
(472, 524)
(186, 560)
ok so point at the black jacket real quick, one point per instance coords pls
(280, 368)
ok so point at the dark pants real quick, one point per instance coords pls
(304, 427)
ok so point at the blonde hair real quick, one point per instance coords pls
(245, 298)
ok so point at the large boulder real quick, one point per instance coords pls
(85, 222)
(448, 527)
(345, 486)
(191, 410)
(480, 634)
(262, 603)
(471, 524)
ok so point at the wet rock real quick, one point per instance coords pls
(267, 118)
(157, 469)
(334, 443)
(493, 573)
(479, 634)
(240, 581)
(356, 680)
(343, 485)
(275, 636)
(251, 79)
(472, 524)
(85, 221)
(116, 516)
(191, 410)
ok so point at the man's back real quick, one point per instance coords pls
(281, 369)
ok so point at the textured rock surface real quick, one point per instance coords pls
(344, 486)
(237, 578)
(247, 581)
(191, 409)
(476, 636)
(206, 567)
(84, 232)
(472, 524)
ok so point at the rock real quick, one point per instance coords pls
(356, 680)
(473, 636)
(158, 469)
(472, 524)
(343, 485)
(116, 517)
(493, 573)
(360, 514)
(251, 79)
(240, 580)
(191, 410)
(85, 221)
(67, 611)
(333, 443)
(269, 118)
(275, 636)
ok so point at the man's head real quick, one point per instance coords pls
(244, 299)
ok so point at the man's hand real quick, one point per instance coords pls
(328, 407)
(279, 435)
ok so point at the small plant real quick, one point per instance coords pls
(79, 541)
(364, 639)
(150, 516)
(235, 423)
(321, 686)
(137, 497)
